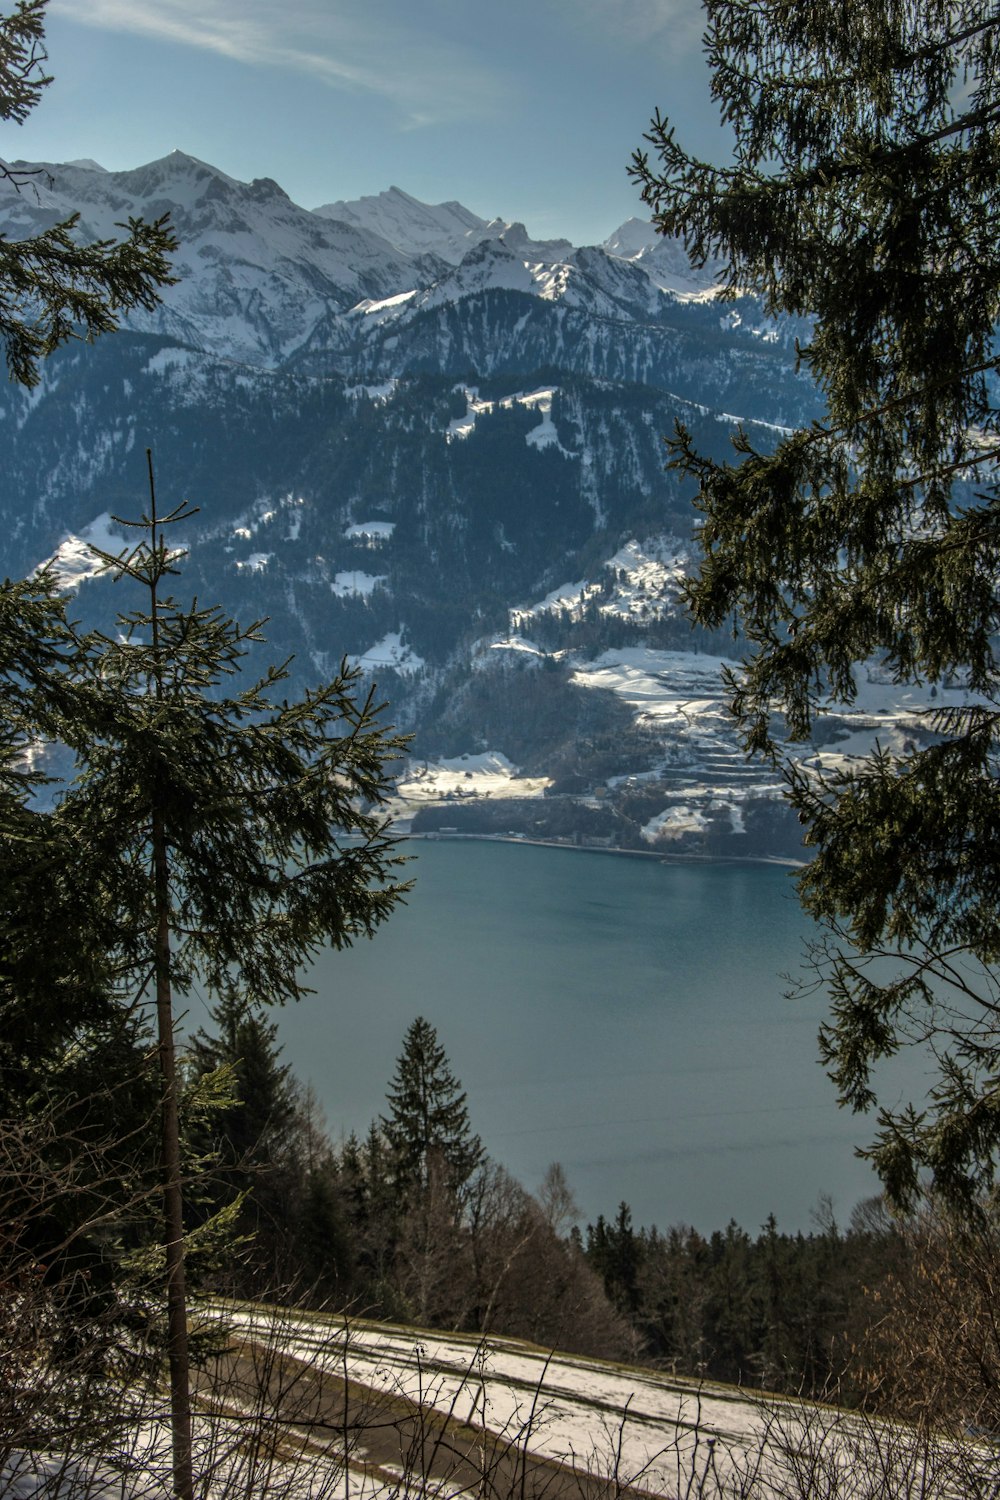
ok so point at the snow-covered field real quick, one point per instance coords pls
(386, 1411)
(487, 774)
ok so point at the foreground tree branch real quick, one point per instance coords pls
(862, 195)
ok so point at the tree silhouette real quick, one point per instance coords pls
(427, 1126)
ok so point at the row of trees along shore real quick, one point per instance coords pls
(225, 834)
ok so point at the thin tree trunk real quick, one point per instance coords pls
(173, 1202)
(178, 1357)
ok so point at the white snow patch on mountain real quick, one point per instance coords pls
(729, 420)
(377, 393)
(518, 644)
(644, 584)
(368, 306)
(255, 563)
(486, 774)
(169, 359)
(675, 823)
(371, 533)
(73, 559)
(294, 518)
(345, 585)
(389, 652)
(542, 436)
(684, 687)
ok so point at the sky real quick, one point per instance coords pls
(526, 109)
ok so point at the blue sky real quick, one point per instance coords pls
(524, 108)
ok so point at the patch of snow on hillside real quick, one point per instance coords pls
(138, 1467)
(732, 421)
(681, 691)
(294, 519)
(568, 596)
(550, 280)
(647, 577)
(371, 533)
(346, 585)
(518, 644)
(169, 359)
(643, 584)
(255, 563)
(385, 304)
(545, 434)
(389, 652)
(643, 1430)
(487, 774)
(378, 394)
(675, 823)
(73, 560)
(538, 400)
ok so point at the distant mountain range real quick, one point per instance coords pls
(433, 444)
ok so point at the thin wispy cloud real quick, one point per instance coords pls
(668, 26)
(354, 45)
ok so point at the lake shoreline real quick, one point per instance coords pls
(771, 861)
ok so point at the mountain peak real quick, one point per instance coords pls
(447, 230)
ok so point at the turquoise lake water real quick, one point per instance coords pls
(624, 1017)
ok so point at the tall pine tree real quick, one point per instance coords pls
(427, 1126)
(862, 197)
(225, 837)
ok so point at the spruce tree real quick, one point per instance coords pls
(225, 837)
(862, 199)
(427, 1126)
(252, 1137)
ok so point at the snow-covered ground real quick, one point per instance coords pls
(344, 585)
(642, 582)
(73, 559)
(538, 401)
(369, 1386)
(486, 774)
(392, 652)
(584, 1413)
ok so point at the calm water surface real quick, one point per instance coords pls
(623, 1017)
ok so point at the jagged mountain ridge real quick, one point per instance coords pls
(451, 470)
(255, 270)
(448, 230)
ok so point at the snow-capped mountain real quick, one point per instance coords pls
(665, 261)
(433, 444)
(255, 271)
(447, 230)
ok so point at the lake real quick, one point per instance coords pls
(622, 1016)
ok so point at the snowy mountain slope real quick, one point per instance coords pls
(259, 276)
(255, 271)
(663, 260)
(447, 230)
